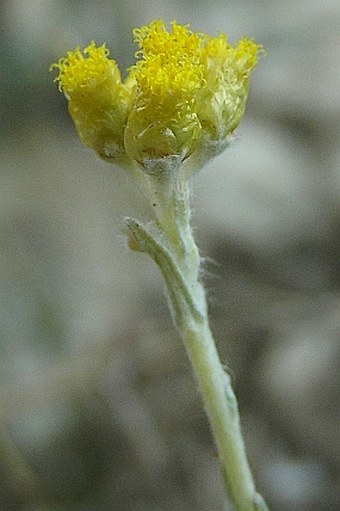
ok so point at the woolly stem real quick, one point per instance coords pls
(170, 243)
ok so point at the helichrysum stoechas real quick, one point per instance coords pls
(186, 93)
(177, 107)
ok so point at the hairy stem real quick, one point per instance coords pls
(222, 410)
(178, 259)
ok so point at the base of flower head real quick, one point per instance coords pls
(111, 150)
(208, 149)
(163, 165)
(213, 147)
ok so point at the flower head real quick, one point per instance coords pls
(98, 101)
(221, 103)
(187, 90)
(163, 119)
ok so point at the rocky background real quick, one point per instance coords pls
(98, 408)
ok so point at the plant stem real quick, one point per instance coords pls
(222, 410)
(178, 259)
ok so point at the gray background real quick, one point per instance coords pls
(98, 408)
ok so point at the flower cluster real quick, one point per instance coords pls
(187, 90)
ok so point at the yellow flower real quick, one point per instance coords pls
(98, 101)
(163, 120)
(221, 103)
(187, 90)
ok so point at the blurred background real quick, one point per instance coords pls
(98, 407)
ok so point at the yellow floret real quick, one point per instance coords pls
(169, 61)
(83, 70)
